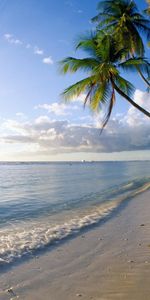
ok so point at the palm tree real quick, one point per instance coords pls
(104, 79)
(122, 18)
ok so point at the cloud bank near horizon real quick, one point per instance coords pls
(48, 136)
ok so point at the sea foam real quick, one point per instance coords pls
(24, 238)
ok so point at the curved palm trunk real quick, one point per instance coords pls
(130, 100)
(142, 76)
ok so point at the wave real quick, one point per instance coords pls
(21, 239)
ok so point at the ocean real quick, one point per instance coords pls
(42, 204)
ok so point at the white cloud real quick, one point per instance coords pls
(62, 136)
(38, 51)
(12, 40)
(59, 109)
(48, 136)
(8, 36)
(20, 114)
(48, 60)
(134, 117)
(80, 98)
(42, 119)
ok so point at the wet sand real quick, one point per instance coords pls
(110, 261)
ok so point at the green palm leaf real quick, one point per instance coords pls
(109, 110)
(72, 65)
(78, 88)
(119, 46)
(123, 17)
(132, 64)
(124, 85)
(101, 95)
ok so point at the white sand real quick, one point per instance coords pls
(111, 261)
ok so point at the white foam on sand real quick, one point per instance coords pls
(23, 238)
(20, 239)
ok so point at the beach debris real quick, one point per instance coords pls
(10, 291)
(130, 261)
(78, 295)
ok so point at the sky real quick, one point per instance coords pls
(35, 124)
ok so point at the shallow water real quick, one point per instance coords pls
(42, 203)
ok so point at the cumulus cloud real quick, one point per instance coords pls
(48, 60)
(21, 115)
(59, 109)
(135, 117)
(80, 98)
(61, 136)
(124, 132)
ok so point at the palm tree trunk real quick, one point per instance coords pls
(140, 73)
(120, 92)
(142, 76)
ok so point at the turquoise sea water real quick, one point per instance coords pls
(43, 203)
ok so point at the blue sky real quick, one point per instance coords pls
(34, 36)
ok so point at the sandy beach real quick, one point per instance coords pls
(109, 261)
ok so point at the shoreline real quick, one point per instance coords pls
(110, 261)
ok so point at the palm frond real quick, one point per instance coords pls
(133, 63)
(72, 65)
(88, 43)
(101, 16)
(109, 6)
(135, 40)
(144, 29)
(109, 111)
(118, 6)
(124, 85)
(89, 93)
(78, 88)
(137, 16)
(101, 95)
